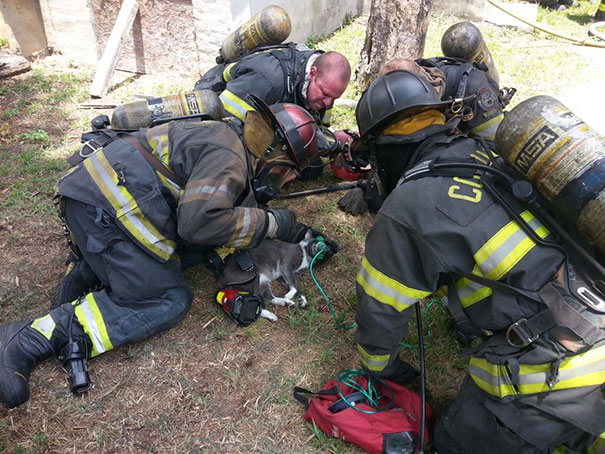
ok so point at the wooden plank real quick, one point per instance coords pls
(11, 65)
(107, 65)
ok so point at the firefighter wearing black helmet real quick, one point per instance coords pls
(535, 383)
(129, 201)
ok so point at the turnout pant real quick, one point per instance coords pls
(140, 296)
(470, 426)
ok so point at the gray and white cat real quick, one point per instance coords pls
(278, 260)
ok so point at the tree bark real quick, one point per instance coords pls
(396, 29)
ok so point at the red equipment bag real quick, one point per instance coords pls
(396, 430)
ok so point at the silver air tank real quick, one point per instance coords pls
(563, 157)
(270, 26)
(142, 114)
(464, 40)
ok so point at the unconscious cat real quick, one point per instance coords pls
(274, 260)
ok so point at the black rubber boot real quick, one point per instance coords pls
(78, 281)
(21, 348)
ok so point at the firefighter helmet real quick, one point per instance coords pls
(295, 129)
(395, 95)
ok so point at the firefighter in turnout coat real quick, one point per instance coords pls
(128, 201)
(290, 73)
(536, 382)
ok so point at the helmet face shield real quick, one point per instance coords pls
(258, 133)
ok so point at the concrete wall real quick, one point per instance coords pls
(215, 19)
(468, 9)
(177, 36)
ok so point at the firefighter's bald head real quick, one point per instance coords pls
(328, 79)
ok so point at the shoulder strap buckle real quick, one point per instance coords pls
(89, 145)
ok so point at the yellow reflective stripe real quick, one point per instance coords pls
(602, 6)
(157, 138)
(488, 129)
(585, 369)
(174, 188)
(89, 316)
(375, 363)
(509, 245)
(471, 292)
(491, 378)
(243, 232)
(44, 325)
(235, 105)
(227, 72)
(597, 446)
(385, 289)
(127, 210)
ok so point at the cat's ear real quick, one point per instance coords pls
(309, 235)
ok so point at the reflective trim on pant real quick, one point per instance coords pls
(44, 325)
(386, 289)
(90, 318)
(374, 363)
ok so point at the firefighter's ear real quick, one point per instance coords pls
(258, 133)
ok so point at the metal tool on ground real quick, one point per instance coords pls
(322, 190)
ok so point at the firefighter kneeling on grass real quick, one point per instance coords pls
(536, 383)
(128, 201)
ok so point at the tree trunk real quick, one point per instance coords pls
(396, 29)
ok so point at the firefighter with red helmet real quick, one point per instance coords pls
(128, 201)
(536, 382)
(284, 73)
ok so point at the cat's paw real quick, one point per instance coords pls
(268, 315)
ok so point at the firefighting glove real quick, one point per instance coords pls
(281, 223)
(353, 202)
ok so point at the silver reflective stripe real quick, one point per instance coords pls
(233, 106)
(245, 229)
(487, 377)
(44, 325)
(386, 290)
(125, 207)
(373, 362)
(93, 329)
(496, 257)
(469, 289)
(564, 374)
(206, 189)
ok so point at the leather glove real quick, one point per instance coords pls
(373, 192)
(353, 202)
(285, 221)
